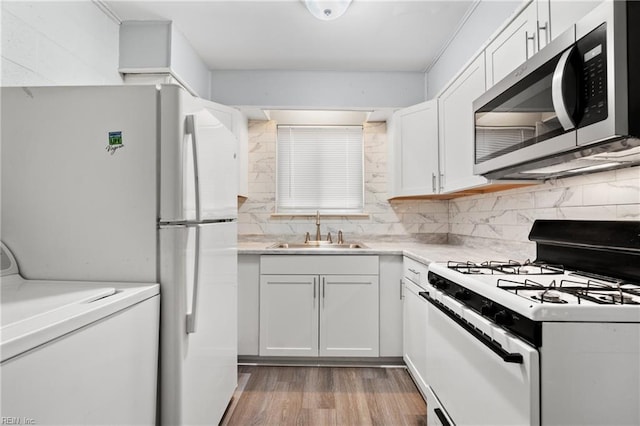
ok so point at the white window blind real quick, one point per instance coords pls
(320, 168)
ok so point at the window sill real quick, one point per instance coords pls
(322, 215)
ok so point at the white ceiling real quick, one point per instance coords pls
(373, 35)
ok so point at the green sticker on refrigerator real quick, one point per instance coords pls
(115, 139)
(115, 142)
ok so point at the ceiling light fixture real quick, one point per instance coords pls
(327, 10)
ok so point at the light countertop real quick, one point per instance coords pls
(424, 253)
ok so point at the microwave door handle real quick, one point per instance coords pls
(557, 85)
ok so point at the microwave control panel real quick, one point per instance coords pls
(592, 49)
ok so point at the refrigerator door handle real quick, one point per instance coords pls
(190, 129)
(191, 316)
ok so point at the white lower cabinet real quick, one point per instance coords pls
(248, 304)
(307, 311)
(414, 322)
(390, 305)
(349, 315)
(288, 315)
(436, 415)
(414, 315)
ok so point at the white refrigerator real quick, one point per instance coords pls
(133, 183)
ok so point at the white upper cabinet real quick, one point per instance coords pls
(236, 122)
(543, 32)
(414, 151)
(514, 45)
(565, 13)
(538, 23)
(457, 129)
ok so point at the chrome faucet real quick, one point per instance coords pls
(318, 237)
(340, 237)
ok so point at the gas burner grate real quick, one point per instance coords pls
(549, 296)
(604, 294)
(589, 290)
(510, 267)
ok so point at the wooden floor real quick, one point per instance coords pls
(342, 396)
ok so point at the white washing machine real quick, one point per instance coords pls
(77, 352)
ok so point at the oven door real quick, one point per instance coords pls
(479, 373)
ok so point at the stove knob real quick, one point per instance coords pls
(504, 318)
(462, 295)
(488, 309)
(441, 284)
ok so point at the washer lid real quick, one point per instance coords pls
(23, 299)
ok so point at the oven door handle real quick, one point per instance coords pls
(511, 357)
(441, 417)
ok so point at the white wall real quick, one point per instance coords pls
(188, 66)
(317, 89)
(485, 19)
(58, 43)
(158, 47)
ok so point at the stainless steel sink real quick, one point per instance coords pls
(318, 245)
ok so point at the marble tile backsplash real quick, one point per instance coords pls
(508, 215)
(504, 216)
(426, 220)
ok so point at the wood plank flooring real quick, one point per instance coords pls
(342, 396)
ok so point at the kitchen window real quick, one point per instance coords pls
(320, 168)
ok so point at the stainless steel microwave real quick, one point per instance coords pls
(572, 108)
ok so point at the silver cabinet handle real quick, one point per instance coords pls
(529, 38)
(441, 181)
(433, 181)
(314, 289)
(544, 28)
(401, 295)
(323, 291)
(559, 105)
(414, 271)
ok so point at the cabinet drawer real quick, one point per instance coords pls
(319, 264)
(415, 272)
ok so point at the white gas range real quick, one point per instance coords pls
(555, 341)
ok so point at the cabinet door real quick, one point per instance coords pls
(514, 45)
(414, 316)
(248, 304)
(457, 127)
(289, 315)
(565, 13)
(349, 315)
(416, 151)
(391, 306)
(236, 122)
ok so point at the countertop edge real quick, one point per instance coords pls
(420, 252)
(413, 254)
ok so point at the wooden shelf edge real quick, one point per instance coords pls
(494, 187)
